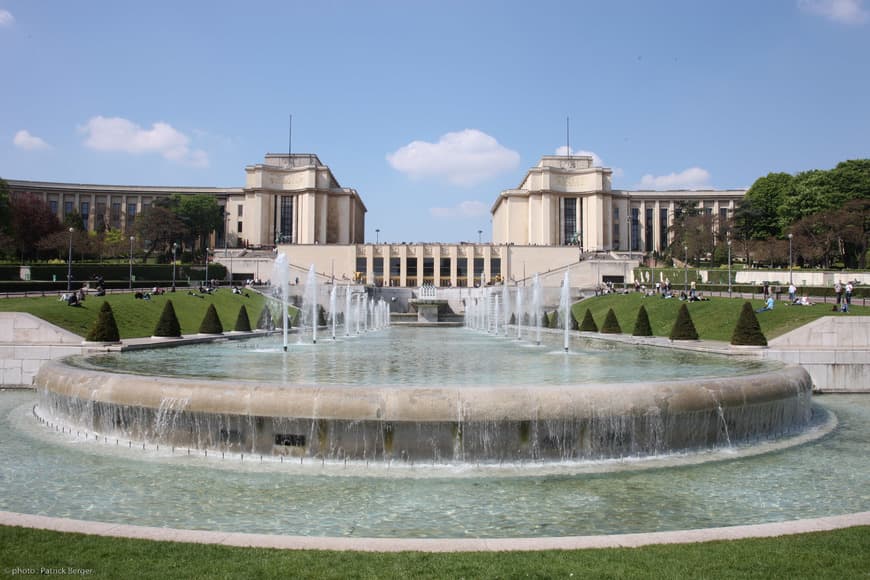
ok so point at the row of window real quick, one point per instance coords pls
(444, 267)
(648, 237)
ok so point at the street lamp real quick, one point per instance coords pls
(131, 261)
(729, 266)
(479, 236)
(790, 280)
(377, 235)
(226, 230)
(69, 263)
(206, 268)
(174, 249)
(685, 268)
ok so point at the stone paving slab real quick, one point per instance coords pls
(434, 545)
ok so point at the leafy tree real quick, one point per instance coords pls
(74, 220)
(817, 238)
(200, 213)
(642, 326)
(211, 322)
(684, 328)
(611, 324)
(158, 227)
(31, 220)
(105, 328)
(762, 218)
(168, 324)
(243, 323)
(747, 332)
(588, 324)
(5, 207)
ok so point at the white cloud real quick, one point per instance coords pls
(24, 140)
(6, 18)
(119, 134)
(691, 178)
(463, 158)
(466, 209)
(843, 11)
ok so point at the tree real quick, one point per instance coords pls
(611, 324)
(75, 221)
(5, 207)
(105, 328)
(641, 325)
(764, 199)
(684, 328)
(31, 220)
(211, 322)
(747, 332)
(168, 324)
(200, 213)
(243, 323)
(588, 324)
(158, 227)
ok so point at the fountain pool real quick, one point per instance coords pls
(435, 396)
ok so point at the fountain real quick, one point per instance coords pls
(309, 304)
(281, 279)
(565, 309)
(536, 307)
(333, 313)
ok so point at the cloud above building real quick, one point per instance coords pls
(465, 209)
(842, 11)
(691, 178)
(24, 140)
(116, 134)
(464, 158)
(6, 18)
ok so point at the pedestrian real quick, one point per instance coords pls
(792, 292)
(838, 292)
(848, 296)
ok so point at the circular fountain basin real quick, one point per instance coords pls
(428, 395)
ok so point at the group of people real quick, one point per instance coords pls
(842, 292)
(844, 296)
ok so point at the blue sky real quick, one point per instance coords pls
(430, 109)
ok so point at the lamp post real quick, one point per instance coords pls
(174, 249)
(729, 266)
(377, 235)
(131, 261)
(685, 268)
(479, 236)
(206, 268)
(226, 230)
(790, 280)
(69, 263)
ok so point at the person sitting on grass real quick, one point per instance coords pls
(768, 305)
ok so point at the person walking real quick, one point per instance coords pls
(792, 293)
(848, 297)
(838, 291)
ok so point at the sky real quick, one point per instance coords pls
(431, 109)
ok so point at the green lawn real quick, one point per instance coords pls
(137, 318)
(714, 319)
(839, 554)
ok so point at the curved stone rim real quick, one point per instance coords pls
(424, 404)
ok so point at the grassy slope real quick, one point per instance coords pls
(838, 554)
(714, 320)
(137, 318)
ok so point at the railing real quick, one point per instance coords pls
(427, 292)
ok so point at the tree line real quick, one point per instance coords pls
(826, 213)
(30, 230)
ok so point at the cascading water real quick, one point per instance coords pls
(281, 278)
(519, 313)
(310, 301)
(507, 310)
(347, 310)
(565, 309)
(536, 307)
(332, 307)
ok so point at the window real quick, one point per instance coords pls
(478, 269)
(663, 229)
(239, 208)
(115, 218)
(461, 271)
(648, 230)
(67, 208)
(494, 268)
(428, 267)
(85, 210)
(411, 269)
(616, 229)
(445, 267)
(131, 215)
(395, 267)
(52, 205)
(286, 225)
(361, 269)
(239, 227)
(569, 232)
(635, 229)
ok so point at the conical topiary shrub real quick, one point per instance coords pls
(243, 323)
(574, 324)
(105, 329)
(684, 328)
(265, 321)
(748, 330)
(321, 315)
(211, 322)
(641, 325)
(611, 324)
(168, 325)
(553, 320)
(588, 324)
(513, 319)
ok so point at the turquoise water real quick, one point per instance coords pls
(426, 357)
(110, 482)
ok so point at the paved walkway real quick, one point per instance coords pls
(434, 545)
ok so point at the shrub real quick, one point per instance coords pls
(553, 319)
(243, 323)
(265, 321)
(611, 324)
(588, 324)
(684, 328)
(211, 322)
(168, 324)
(513, 319)
(641, 325)
(748, 331)
(105, 329)
(321, 315)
